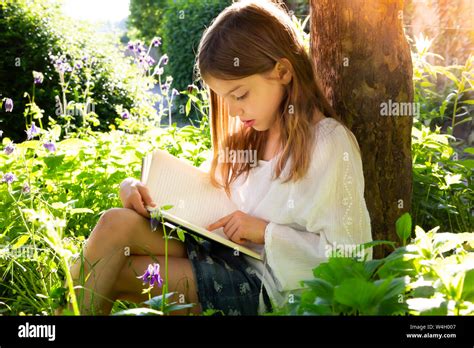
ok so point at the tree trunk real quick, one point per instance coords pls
(364, 64)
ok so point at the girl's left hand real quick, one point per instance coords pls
(240, 227)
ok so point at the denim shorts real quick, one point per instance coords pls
(226, 282)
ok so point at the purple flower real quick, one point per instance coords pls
(174, 92)
(9, 148)
(49, 146)
(30, 133)
(139, 47)
(149, 60)
(78, 65)
(165, 88)
(156, 41)
(154, 223)
(25, 188)
(125, 115)
(159, 71)
(60, 64)
(9, 178)
(8, 105)
(164, 59)
(38, 77)
(152, 275)
(131, 46)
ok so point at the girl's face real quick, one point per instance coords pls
(254, 98)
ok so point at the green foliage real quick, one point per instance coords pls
(433, 275)
(58, 196)
(31, 31)
(183, 24)
(145, 19)
(442, 169)
(442, 184)
(155, 307)
(444, 93)
(403, 227)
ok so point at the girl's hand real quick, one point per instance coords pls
(135, 195)
(240, 227)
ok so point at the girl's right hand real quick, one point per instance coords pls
(136, 195)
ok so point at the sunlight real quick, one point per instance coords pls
(97, 10)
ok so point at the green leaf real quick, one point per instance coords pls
(54, 161)
(21, 241)
(188, 106)
(392, 287)
(403, 227)
(321, 288)
(424, 291)
(180, 233)
(469, 150)
(177, 307)
(166, 207)
(337, 269)
(59, 205)
(452, 179)
(371, 265)
(468, 288)
(378, 242)
(468, 163)
(157, 301)
(356, 293)
(30, 144)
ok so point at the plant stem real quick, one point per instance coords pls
(165, 285)
(70, 285)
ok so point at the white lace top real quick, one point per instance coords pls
(309, 218)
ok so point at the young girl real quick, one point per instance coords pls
(303, 199)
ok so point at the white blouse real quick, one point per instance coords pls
(323, 212)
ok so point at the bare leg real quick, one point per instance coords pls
(180, 280)
(119, 233)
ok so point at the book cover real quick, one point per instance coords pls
(196, 202)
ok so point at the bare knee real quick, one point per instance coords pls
(115, 226)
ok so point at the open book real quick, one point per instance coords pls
(196, 202)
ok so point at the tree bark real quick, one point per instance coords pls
(364, 65)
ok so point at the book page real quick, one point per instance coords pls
(173, 181)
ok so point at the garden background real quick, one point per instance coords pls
(87, 91)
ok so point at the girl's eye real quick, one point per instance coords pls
(242, 97)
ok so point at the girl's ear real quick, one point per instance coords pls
(284, 70)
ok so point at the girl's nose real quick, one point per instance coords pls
(235, 111)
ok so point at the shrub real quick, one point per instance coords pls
(31, 31)
(57, 198)
(442, 182)
(145, 19)
(183, 24)
(433, 275)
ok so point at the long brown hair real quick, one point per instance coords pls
(259, 34)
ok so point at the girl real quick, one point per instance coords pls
(303, 200)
